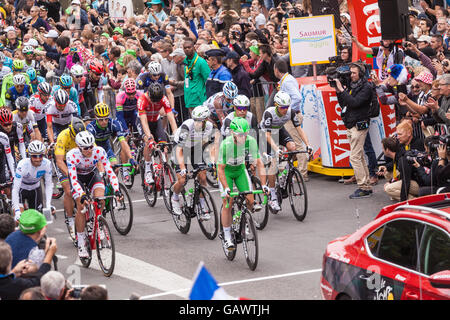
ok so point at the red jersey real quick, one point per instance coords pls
(151, 109)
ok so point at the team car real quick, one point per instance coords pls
(403, 254)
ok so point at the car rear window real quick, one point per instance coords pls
(397, 242)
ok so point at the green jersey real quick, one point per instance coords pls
(8, 83)
(233, 155)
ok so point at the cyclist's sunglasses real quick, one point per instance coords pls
(78, 77)
(283, 107)
(240, 135)
(87, 148)
(102, 119)
(7, 124)
(130, 93)
(39, 156)
(241, 108)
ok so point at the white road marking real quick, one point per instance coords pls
(137, 270)
(178, 292)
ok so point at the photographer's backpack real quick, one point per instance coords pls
(374, 108)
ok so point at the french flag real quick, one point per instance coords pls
(205, 287)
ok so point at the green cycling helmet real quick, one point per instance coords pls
(17, 65)
(239, 125)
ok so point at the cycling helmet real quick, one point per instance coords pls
(156, 92)
(95, 66)
(241, 101)
(17, 65)
(76, 126)
(230, 90)
(27, 49)
(44, 88)
(201, 113)
(19, 79)
(61, 97)
(239, 125)
(154, 68)
(22, 103)
(36, 147)
(66, 80)
(84, 139)
(101, 110)
(282, 99)
(31, 72)
(77, 70)
(130, 85)
(5, 116)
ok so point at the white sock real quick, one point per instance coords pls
(71, 221)
(176, 196)
(227, 233)
(273, 193)
(202, 203)
(80, 236)
(147, 166)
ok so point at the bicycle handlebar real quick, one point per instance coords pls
(236, 194)
(124, 165)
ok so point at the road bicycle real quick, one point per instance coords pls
(192, 207)
(58, 190)
(290, 184)
(5, 203)
(163, 176)
(243, 229)
(99, 237)
(260, 217)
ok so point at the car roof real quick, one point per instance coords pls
(429, 207)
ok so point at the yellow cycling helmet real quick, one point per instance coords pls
(101, 110)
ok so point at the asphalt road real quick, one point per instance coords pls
(158, 262)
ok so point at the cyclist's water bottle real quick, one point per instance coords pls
(236, 220)
(282, 178)
(190, 197)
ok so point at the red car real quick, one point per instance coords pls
(403, 254)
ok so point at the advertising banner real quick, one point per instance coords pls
(311, 39)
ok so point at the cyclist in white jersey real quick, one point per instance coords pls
(221, 103)
(59, 114)
(27, 179)
(26, 117)
(39, 103)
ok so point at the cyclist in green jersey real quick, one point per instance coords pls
(232, 171)
(17, 68)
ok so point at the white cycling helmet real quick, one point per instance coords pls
(201, 113)
(36, 147)
(77, 70)
(19, 79)
(230, 90)
(27, 49)
(241, 101)
(154, 68)
(282, 99)
(84, 139)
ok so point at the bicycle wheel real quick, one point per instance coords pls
(106, 252)
(168, 179)
(249, 241)
(182, 221)
(150, 191)
(262, 216)
(298, 197)
(230, 254)
(122, 212)
(210, 225)
(66, 220)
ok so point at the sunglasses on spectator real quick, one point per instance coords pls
(87, 148)
(38, 156)
(416, 86)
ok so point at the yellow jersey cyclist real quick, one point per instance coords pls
(231, 170)
(65, 143)
(102, 128)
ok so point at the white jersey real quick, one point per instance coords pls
(78, 164)
(61, 117)
(4, 71)
(28, 122)
(227, 107)
(186, 136)
(225, 129)
(39, 108)
(28, 177)
(4, 141)
(273, 121)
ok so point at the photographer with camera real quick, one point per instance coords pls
(440, 108)
(443, 168)
(355, 102)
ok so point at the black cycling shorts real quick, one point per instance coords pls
(32, 197)
(157, 130)
(90, 182)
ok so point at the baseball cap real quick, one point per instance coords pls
(10, 28)
(425, 77)
(106, 35)
(77, 2)
(232, 55)
(119, 30)
(345, 15)
(31, 221)
(52, 34)
(44, 8)
(32, 42)
(177, 52)
(255, 50)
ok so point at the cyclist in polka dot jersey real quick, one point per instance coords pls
(82, 166)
